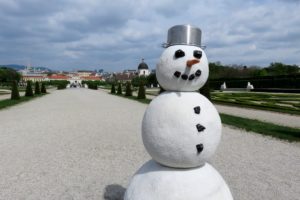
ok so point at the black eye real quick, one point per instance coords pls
(179, 53)
(197, 54)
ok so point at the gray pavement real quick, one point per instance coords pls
(86, 144)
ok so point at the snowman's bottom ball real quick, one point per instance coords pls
(156, 182)
(181, 129)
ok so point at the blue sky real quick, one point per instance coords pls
(115, 35)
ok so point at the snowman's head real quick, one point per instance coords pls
(182, 68)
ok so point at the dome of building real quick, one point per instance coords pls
(143, 65)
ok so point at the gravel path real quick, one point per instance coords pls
(86, 144)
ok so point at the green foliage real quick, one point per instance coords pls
(136, 81)
(119, 90)
(28, 92)
(57, 82)
(7, 75)
(98, 83)
(37, 88)
(151, 80)
(92, 85)
(61, 86)
(277, 68)
(141, 92)
(128, 91)
(113, 89)
(205, 90)
(14, 91)
(43, 88)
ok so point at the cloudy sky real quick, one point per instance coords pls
(115, 35)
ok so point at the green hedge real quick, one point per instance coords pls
(284, 81)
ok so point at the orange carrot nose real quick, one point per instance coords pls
(190, 63)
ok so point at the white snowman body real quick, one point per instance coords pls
(175, 123)
(181, 130)
(154, 181)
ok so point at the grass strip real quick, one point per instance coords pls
(274, 108)
(264, 128)
(8, 102)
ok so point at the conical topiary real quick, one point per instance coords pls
(205, 90)
(14, 91)
(43, 89)
(28, 92)
(141, 92)
(128, 91)
(37, 89)
(113, 89)
(119, 91)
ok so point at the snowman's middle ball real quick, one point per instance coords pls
(181, 129)
(182, 68)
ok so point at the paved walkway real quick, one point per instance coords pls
(86, 144)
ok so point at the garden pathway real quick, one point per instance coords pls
(86, 144)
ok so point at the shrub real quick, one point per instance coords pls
(92, 85)
(28, 92)
(43, 89)
(61, 86)
(205, 90)
(14, 91)
(37, 88)
(141, 92)
(119, 91)
(113, 89)
(128, 91)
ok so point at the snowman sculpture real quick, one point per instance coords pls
(181, 129)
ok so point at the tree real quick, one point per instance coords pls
(43, 88)
(128, 91)
(14, 91)
(205, 90)
(113, 89)
(28, 92)
(8, 74)
(37, 88)
(141, 92)
(119, 91)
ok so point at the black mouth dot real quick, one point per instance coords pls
(177, 74)
(184, 76)
(199, 148)
(198, 72)
(192, 76)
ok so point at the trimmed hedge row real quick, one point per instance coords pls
(283, 81)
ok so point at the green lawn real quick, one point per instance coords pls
(8, 102)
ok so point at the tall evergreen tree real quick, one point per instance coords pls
(205, 90)
(14, 91)
(141, 92)
(43, 89)
(113, 89)
(128, 91)
(119, 91)
(37, 89)
(28, 92)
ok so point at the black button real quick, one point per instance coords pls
(184, 76)
(199, 148)
(197, 109)
(200, 127)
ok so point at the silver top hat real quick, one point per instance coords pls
(183, 35)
